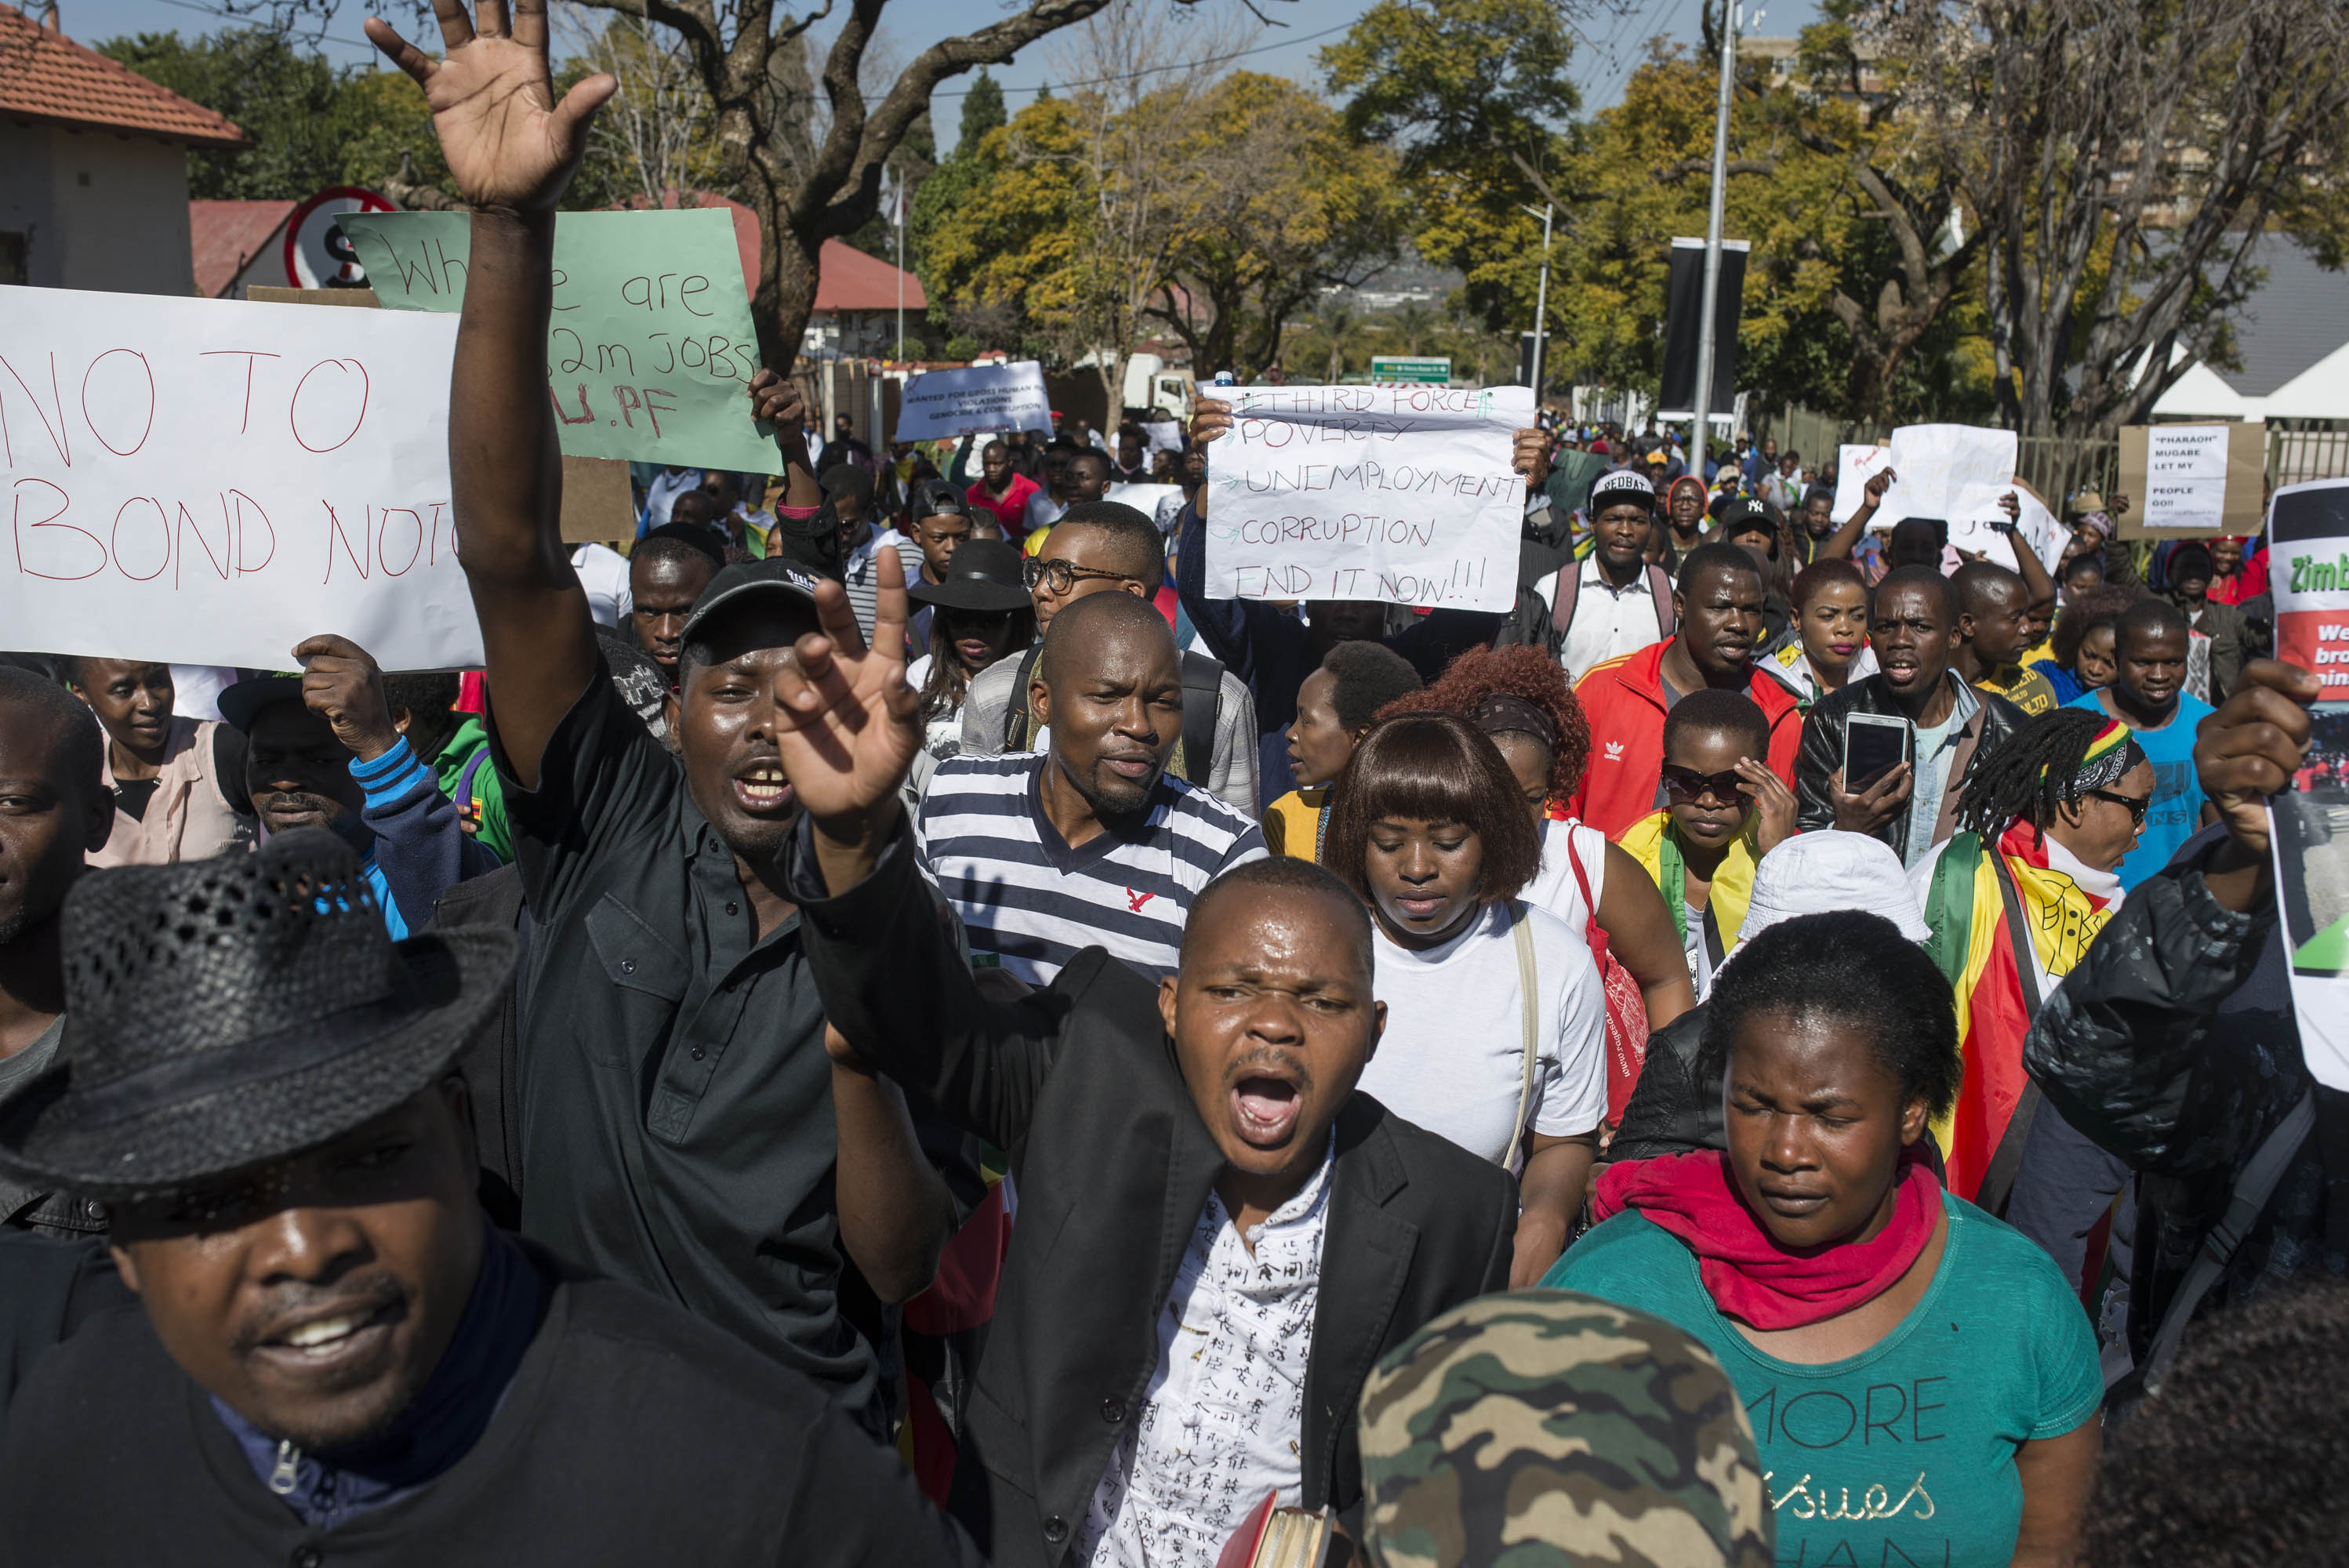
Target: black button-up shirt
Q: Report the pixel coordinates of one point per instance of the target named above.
(676, 1116)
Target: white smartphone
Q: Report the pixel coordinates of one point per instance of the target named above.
(1874, 744)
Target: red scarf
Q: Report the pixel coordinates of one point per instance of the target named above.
(1749, 1275)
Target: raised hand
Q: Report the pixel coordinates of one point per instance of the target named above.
(1529, 454)
(2253, 746)
(508, 144)
(342, 684)
(854, 724)
(1773, 804)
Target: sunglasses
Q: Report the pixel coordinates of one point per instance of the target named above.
(1691, 785)
(2138, 805)
(1062, 575)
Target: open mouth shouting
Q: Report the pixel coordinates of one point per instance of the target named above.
(761, 789)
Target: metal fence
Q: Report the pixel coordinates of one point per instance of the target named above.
(2060, 467)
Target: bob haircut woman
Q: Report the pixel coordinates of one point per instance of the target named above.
(1497, 1021)
(1432, 768)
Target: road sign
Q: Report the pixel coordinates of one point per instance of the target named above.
(1415, 372)
(317, 256)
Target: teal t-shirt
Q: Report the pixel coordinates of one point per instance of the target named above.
(1903, 1454)
(2176, 813)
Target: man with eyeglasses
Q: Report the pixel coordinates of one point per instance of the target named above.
(1100, 546)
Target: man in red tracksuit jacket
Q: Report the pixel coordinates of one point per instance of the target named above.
(1718, 605)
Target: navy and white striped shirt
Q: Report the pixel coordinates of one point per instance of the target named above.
(1032, 902)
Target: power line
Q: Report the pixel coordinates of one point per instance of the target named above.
(239, 17)
(1177, 66)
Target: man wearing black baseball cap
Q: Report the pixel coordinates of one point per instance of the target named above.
(682, 1128)
(337, 1359)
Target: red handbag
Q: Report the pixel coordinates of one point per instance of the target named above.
(1626, 1006)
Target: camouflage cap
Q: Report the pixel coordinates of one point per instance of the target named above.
(1546, 1429)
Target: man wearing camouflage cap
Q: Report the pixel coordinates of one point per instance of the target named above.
(1557, 1429)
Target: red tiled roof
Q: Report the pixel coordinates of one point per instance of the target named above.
(228, 234)
(47, 76)
(847, 279)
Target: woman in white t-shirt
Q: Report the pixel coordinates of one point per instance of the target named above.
(1496, 1026)
(1519, 698)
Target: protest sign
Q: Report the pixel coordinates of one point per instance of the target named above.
(650, 345)
(210, 482)
(980, 400)
(1397, 493)
(2192, 481)
(1946, 472)
(1854, 465)
(1981, 530)
(2308, 568)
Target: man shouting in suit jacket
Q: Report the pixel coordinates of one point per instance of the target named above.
(1218, 1234)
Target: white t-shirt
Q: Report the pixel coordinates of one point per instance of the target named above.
(604, 573)
(1609, 621)
(1452, 1057)
(1554, 887)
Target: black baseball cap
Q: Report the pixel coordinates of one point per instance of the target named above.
(789, 586)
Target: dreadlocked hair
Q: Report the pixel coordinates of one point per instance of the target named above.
(2035, 770)
(1520, 671)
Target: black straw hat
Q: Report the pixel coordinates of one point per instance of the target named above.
(985, 574)
(226, 1013)
(242, 703)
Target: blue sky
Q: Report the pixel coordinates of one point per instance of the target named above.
(1614, 45)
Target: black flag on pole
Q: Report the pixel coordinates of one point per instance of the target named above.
(1683, 308)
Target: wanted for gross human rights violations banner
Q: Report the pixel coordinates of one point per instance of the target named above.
(2308, 568)
(1404, 494)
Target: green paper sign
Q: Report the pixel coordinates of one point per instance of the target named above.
(650, 345)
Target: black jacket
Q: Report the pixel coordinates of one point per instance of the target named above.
(632, 1433)
(1822, 754)
(1079, 1083)
(2173, 1044)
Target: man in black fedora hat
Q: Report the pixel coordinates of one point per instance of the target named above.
(679, 1126)
(337, 1359)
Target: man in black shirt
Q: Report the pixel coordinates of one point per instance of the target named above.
(337, 1359)
(678, 1114)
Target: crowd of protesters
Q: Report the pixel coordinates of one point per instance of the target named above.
(885, 1024)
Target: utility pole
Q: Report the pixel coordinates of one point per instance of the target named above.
(1541, 301)
(1702, 426)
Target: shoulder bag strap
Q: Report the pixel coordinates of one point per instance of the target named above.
(1018, 728)
(1529, 1010)
(1998, 1181)
(2253, 1188)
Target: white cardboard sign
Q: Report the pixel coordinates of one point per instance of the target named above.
(978, 401)
(2036, 526)
(1403, 494)
(1944, 471)
(2186, 477)
(211, 482)
(1854, 465)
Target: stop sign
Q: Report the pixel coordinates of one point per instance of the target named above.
(317, 256)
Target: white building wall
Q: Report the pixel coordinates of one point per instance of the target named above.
(97, 210)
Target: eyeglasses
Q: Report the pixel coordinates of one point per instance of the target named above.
(1691, 785)
(2139, 805)
(1060, 575)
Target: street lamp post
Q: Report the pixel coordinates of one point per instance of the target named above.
(1541, 301)
(1707, 308)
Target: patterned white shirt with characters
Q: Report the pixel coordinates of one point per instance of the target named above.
(1223, 1421)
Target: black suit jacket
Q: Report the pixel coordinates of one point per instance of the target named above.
(1079, 1083)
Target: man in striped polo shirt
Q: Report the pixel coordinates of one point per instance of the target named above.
(1092, 842)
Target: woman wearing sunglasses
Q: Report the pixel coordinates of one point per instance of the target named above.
(980, 612)
(1723, 810)
(2013, 899)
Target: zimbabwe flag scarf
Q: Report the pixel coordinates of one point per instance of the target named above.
(1971, 904)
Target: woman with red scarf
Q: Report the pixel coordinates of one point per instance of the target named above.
(1922, 1384)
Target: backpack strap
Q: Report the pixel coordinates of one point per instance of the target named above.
(1659, 589)
(1019, 724)
(1522, 931)
(468, 812)
(1568, 590)
(2253, 1187)
(1203, 702)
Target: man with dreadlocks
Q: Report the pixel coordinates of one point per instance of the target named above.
(2013, 898)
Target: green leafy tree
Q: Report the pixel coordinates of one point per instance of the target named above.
(982, 111)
